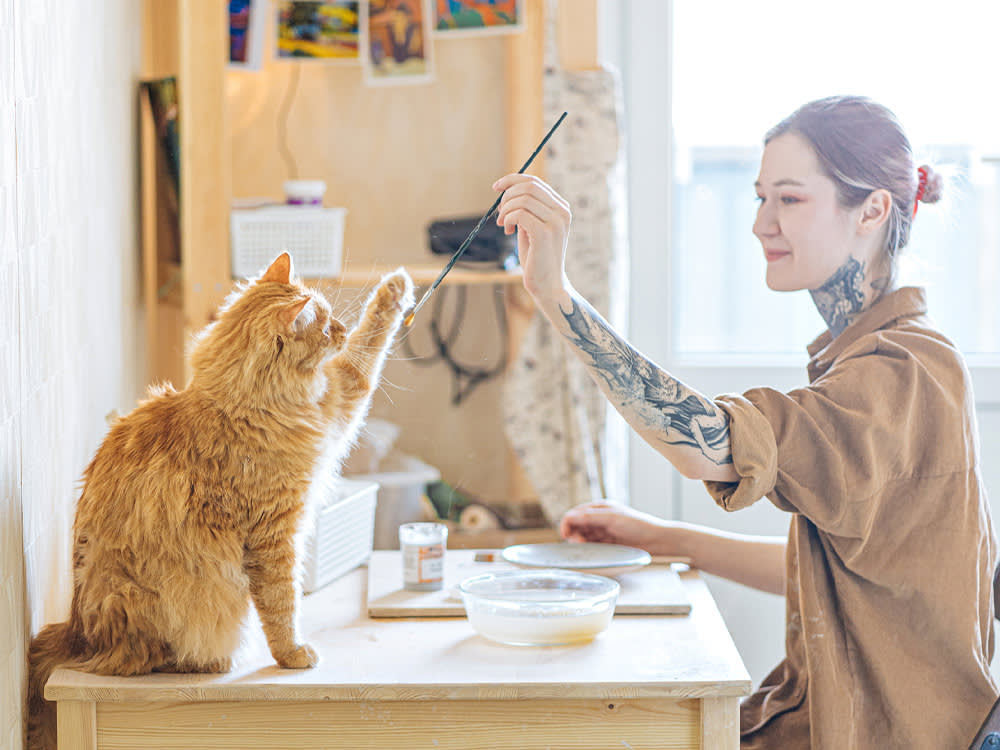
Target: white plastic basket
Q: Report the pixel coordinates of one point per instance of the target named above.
(341, 538)
(314, 237)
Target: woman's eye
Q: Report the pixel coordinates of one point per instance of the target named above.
(789, 199)
(759, 198)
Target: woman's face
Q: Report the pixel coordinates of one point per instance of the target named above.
(805, 233)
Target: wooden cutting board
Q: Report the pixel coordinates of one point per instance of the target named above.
(653, 590)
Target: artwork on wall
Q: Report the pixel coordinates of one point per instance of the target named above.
(460, 17)
(398, 41)
(327, 30)
(246, 33)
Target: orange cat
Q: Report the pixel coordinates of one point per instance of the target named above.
(192, 505)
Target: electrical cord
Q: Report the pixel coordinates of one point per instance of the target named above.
(282, 122)
(465, 378)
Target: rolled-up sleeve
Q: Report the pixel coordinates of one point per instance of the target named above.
(755, 455)
(830, 449)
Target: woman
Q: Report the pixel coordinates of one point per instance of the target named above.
(889, 560)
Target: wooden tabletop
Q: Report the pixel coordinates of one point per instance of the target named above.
(364, 659)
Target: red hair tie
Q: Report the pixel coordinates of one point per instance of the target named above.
(921, 187)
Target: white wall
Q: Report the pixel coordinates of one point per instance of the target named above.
(69, 291)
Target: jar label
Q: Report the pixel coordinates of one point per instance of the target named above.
(423, 563)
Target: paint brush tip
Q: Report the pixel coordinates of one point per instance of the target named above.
(408, 320)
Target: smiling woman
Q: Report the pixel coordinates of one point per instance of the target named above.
(835, 210)
(875, 461)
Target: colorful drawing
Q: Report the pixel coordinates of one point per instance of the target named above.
(246, 19)
(476, 15)
(398, 39)
(327, 29)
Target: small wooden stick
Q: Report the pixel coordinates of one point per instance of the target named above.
(408, 321)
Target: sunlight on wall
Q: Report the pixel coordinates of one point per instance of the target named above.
(69, 292)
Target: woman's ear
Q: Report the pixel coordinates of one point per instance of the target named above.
(875, 211)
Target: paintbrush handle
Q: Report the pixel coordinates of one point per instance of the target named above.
(472, 235)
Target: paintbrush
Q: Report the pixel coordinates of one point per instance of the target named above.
(468, 240)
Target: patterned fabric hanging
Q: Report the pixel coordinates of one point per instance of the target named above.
(570, 442)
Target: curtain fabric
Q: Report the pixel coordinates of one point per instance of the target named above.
(570, 442)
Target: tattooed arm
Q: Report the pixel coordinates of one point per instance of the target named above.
(680, 423)
(683, 425)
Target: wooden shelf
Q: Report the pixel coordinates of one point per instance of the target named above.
(423, 274)
(346, 133)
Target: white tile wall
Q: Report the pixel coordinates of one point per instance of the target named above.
(69, 291)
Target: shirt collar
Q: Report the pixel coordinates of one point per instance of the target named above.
(908, 301)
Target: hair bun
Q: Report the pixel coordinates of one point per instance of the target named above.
(935, 186)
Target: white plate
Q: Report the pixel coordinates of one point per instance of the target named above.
(586, 557)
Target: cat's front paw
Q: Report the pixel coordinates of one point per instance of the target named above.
(302, 656)
(395, 292)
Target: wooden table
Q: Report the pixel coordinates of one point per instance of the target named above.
(649, 681)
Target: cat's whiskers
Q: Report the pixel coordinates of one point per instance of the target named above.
(384, 382)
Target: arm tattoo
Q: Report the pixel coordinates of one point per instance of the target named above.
(659, 402)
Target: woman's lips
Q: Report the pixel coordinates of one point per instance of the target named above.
(773, 255)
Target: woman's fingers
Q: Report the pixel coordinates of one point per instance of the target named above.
(514, 185)
(589, 523)
(542, 219)
(522, 210)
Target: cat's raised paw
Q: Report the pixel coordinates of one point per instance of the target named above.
(395, 290)
(302, 657)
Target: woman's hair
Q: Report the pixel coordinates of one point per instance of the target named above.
(862, 147)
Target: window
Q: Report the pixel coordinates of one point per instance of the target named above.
(702, 82)
(739, 68)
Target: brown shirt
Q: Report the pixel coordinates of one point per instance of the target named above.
(891, 550)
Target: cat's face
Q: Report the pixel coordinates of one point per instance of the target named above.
(274, 329)
(307, 333)
(296, 321)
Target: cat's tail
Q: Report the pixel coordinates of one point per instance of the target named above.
(55, 646)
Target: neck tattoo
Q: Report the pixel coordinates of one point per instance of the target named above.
(842, 296)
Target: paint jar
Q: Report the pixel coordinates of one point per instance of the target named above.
(304, 192)
(422, 546)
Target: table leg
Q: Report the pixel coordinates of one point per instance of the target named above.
(77, 725)
(720, 724)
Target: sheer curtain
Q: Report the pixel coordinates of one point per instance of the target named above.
(568, 440)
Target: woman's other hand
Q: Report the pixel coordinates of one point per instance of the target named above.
(542, 218)
(617, 524)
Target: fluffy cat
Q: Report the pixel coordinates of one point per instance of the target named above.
(191, 506)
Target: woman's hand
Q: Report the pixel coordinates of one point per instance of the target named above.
(542, 218)
(618, 524)
(755, 561)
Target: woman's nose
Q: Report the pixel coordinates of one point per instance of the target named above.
(766, 223)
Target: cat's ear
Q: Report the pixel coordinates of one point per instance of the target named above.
(280, 270)
(288, 314)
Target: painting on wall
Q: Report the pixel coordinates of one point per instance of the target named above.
(246, 33)
(398, 41)
(326, 30)
(460, 17)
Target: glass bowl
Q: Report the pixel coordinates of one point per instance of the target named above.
(539, 607)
